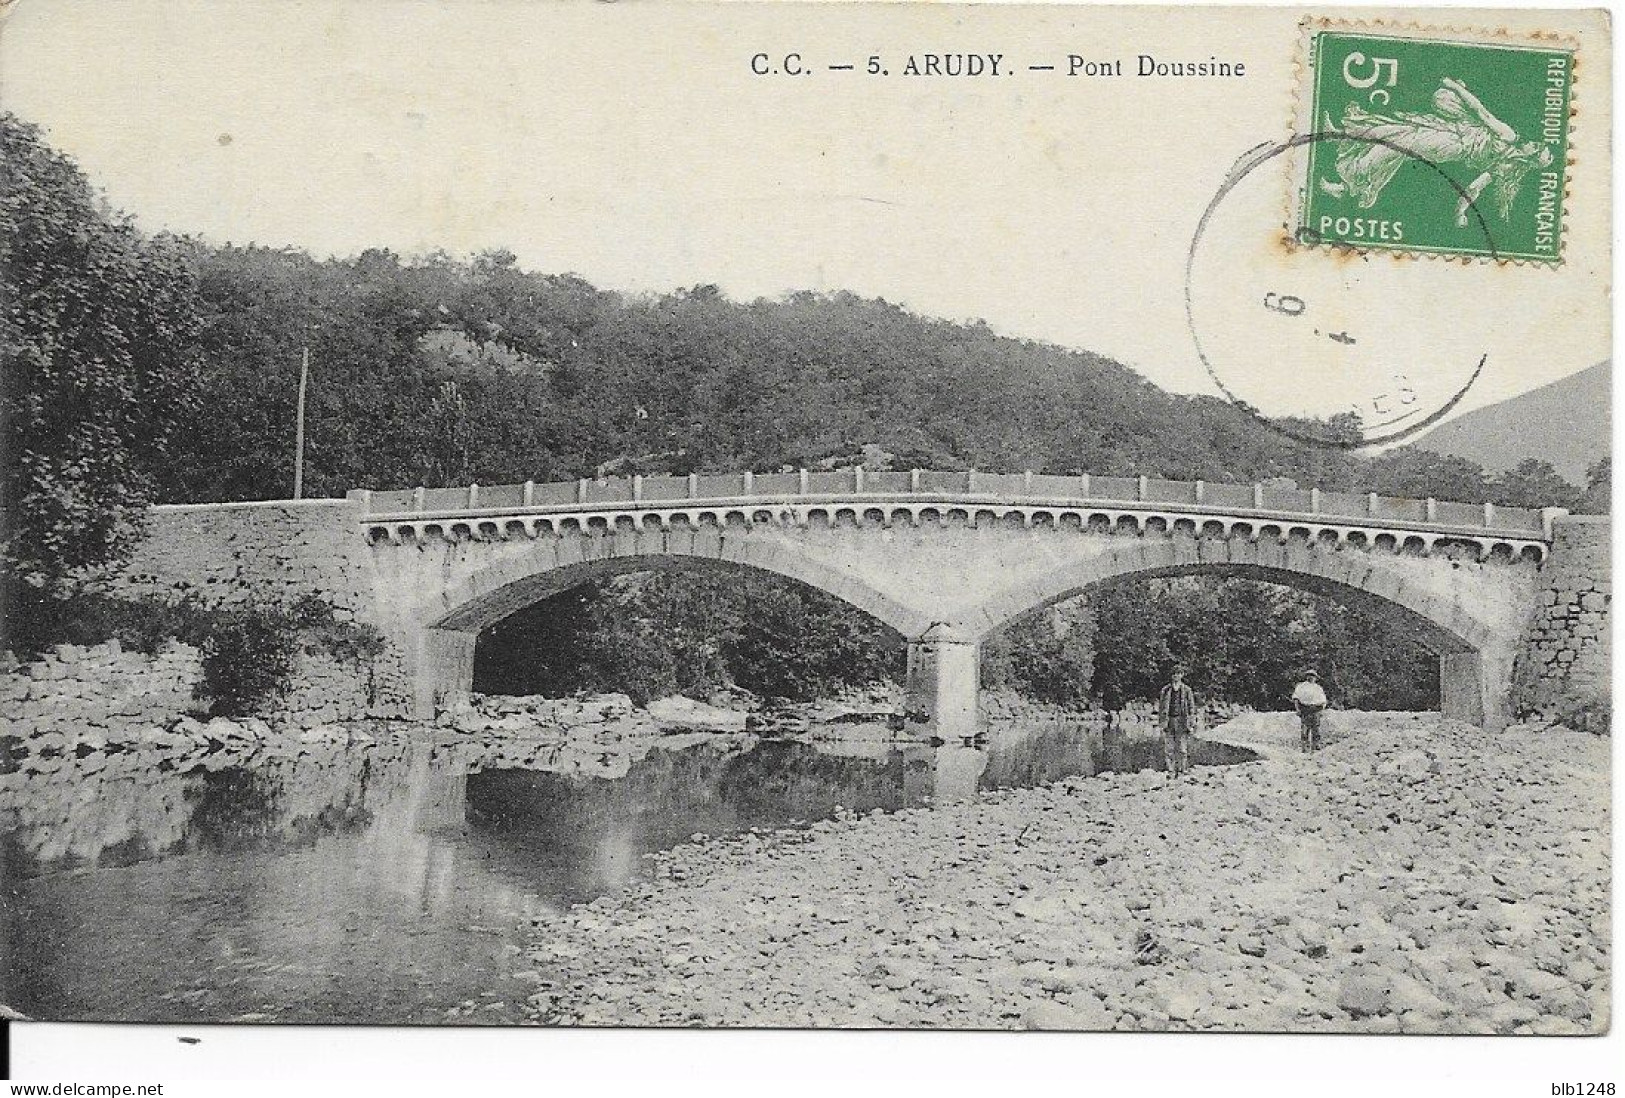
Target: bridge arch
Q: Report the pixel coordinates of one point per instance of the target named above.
(488, 595)
(1304, 566)
(1475, 656)
(449, 619)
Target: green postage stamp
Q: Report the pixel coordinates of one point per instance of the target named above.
(1438, 145)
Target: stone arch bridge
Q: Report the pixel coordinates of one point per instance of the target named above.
(945, 558)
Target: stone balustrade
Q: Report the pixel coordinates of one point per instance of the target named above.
(1119, 504)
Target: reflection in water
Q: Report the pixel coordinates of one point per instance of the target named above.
(388, 880)
(591, 833)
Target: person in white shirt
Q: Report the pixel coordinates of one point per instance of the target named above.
(1309, 700)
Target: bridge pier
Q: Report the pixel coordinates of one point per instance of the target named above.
(944, 685)
(443, 674)
(1476, 687)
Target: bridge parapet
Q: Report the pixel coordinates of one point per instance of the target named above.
(1144, 504)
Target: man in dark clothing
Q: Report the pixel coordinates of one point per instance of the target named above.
(1111, 701)
(1112, 742)
(1176, 709)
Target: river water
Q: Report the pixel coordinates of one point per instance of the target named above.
(396, 875)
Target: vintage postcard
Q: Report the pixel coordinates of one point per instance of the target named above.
(916, 516)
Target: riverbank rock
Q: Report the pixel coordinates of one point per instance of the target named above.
(681, 712)
(1363, 993)
(1416, 875)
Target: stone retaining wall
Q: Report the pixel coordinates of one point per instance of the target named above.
(271, 554)
(74, 689)
(324, 691)
(230, 554)
(1002, 706)
(75, 695)
(1008, 707)
(1563, 667)
(999, 706)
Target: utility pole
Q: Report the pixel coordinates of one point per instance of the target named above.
(299, 428)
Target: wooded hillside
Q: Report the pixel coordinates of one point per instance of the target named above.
(143, 369)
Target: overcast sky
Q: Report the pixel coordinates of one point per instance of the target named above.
(632, 144)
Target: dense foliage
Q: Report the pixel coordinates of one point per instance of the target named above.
(1598, 497)
(1048, 655)
(440, 372)
(1249, 642)
(660, 633)
(98, 347)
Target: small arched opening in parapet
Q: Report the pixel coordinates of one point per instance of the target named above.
(653, 625)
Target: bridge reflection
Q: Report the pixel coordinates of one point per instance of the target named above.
(333, 881)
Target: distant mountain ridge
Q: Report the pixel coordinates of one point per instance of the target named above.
(1567, 423)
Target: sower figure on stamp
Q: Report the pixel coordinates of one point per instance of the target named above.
(1310, 701)
(1459, 130)
(1176, 709)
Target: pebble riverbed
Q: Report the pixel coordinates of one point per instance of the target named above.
(1415, 875)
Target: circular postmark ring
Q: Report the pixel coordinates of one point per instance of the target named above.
(1245, 165)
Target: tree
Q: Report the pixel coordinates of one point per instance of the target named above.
(1417, 474)
(1533, 482)
(1048, 655)
(98, 339)
(1599, 493)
